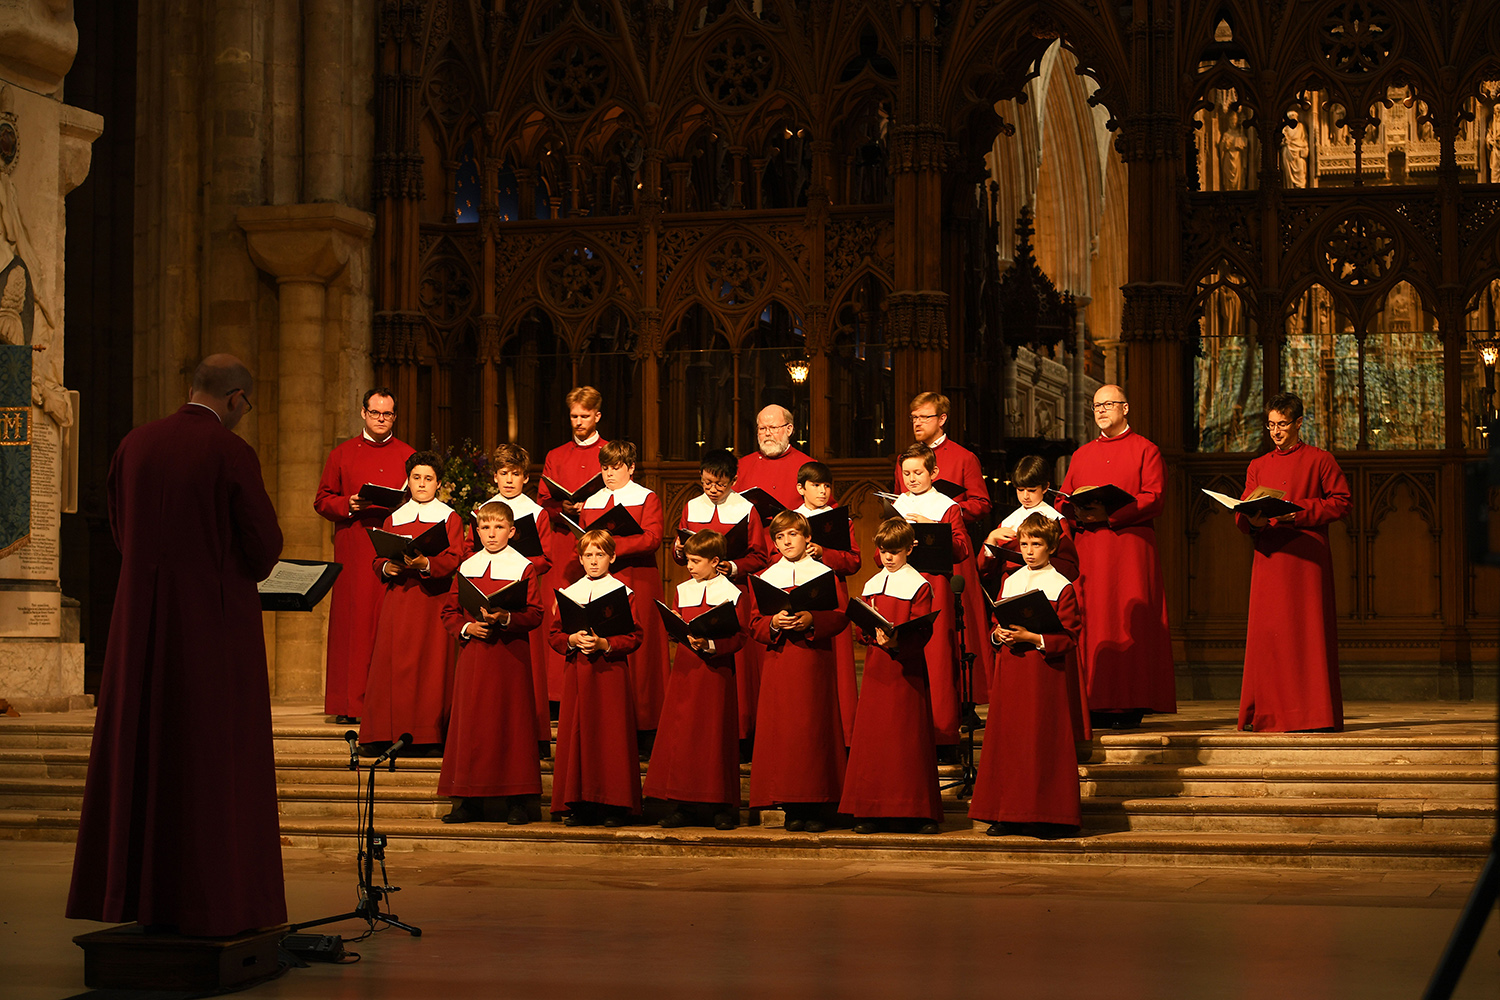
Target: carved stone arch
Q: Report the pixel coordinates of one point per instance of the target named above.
(579, 275)
(448, 290)
(1070, 189)
(851, 52)
(992, 59)
(451, 97)
(671, 321)
(517, 311)
(856, 248)
(1209, 273)
(699, 18)
(750, 265)
(743, 323)
(541, 21)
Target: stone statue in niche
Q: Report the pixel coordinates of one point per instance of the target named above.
(1401, 307)
(16, 248)
(1338, 135)
(1233, 143)
(1294, 152)
(1492, 144)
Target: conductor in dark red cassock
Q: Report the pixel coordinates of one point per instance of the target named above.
(1292, 647)
(570, 466)
(1127, 650)
(179, 826)
(375, 456)
(774, 465)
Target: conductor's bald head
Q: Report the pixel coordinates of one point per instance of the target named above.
(1110, 409)
(222, 383)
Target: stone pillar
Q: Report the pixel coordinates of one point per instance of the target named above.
(44, 154)
(305, 247)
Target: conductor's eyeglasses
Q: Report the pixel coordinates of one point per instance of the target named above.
(1101, 407)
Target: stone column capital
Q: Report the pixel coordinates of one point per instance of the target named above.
(304, 243)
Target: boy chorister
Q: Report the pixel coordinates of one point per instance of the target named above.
(815, 484)
(1028, 772)
(721, 509)
(892, 777)
(696, 761)
(510, 461)
(799, 735)
(922, 503)
(492, 736)
(596, 775)
(635, 563)
(411, 672)
(1031, 480)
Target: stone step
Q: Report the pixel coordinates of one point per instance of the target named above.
(1306, 781)
(1286, 815)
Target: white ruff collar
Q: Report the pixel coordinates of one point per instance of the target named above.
(1024, 580)
(701, 510)
(902, 584)
(786, 574)
(586, 590)
(932, 504)
(692, 594)
(507, 565)
(632, 494)
(1015, 517)
(520, 505)
(430, 512)
(587, 442)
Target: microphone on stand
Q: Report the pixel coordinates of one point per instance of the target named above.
(403, 741)
(352, 738)
(956, 581)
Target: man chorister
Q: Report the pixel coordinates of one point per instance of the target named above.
(179, 826)
(1291, 649)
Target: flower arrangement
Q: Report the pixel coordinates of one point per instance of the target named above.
(468, 479)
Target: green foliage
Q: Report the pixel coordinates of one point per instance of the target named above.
(468, 479)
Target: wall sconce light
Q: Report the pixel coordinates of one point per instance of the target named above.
(798, 368)
(1489, 354)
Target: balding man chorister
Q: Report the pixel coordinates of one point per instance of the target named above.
(1127, 651)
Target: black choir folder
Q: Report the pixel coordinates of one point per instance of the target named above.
(933, 553)
(765, 504)
(511, 597)
(395, 547)
(830, 528)
(1109, 496)
(297, 584)
(820, 594)
(618, 521)
(579, 495)
(1263, 502)
(381, 496)
(526, 540)
(604, 616)
(736, 539)
(950, 490)
(719, 622)
(1030, 610)
(1006, 553)
(913, 633)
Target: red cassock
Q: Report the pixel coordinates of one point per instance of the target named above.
(845, 563)
(179, 822)
(570, 466)
(354, 605)
(697, 753)
(700, 513)
(597, 759)
(492, 735)
(799, 737)
(635, 566)
(777, 476)
(521, 507)
(1028, 770)
(1127, 650)
(960, 466)
(942, 652)
(411, 673)
(892, 762)
(1291, 647)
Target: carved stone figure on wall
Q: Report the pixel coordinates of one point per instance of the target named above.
(1492, 142)
(1294, 152)
(1337, 135)
(1233, 143)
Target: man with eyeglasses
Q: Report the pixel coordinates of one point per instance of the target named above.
(1291, 680)
(375, 456)
(179, 828)
(774, 465)
(1127, 650)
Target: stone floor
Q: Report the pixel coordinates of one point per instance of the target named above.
(609, 926)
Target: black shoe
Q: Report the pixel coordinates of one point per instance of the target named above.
(995, 830)
(374, 749)
(614, 820)
(675, 819)
(927, 829)
(866, 826)
(1049, 831)
(726, 820)
(463, 812)
(518, 816)
(344, 720)
(795, 825)
(423, 750)
(573, 819)
(814, 826)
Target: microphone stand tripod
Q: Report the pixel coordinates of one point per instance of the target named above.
(371, 848)
(968, 720)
